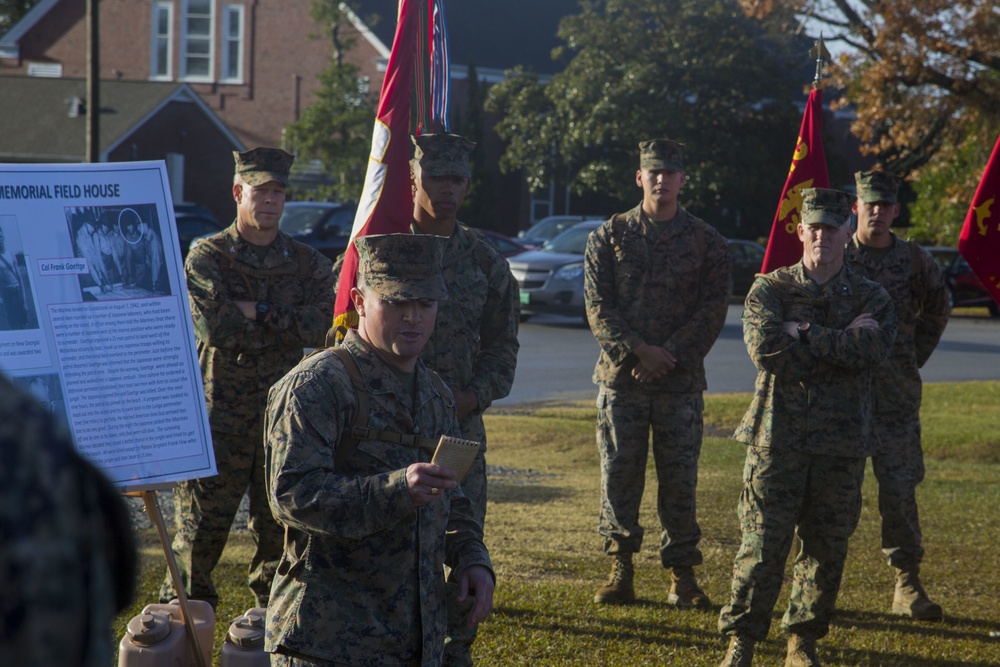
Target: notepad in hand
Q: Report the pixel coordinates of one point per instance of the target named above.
(456, 454)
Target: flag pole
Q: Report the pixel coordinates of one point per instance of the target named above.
(822, 55)
(386, 203)
(808, 170)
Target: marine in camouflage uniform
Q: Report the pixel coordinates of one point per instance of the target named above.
(474, 345)
(68, 561)
(360, 581)
(656, 288)
(257, 298)
(815, 331)
(920, 296)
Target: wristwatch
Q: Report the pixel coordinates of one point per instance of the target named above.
(263, 308)
(803, 330)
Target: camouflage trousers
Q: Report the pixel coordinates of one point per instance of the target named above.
(624, 420)
(787, 494)
(459, 639)
(898, 463)
(204, 512)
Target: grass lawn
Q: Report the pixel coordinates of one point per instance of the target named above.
(541, 530)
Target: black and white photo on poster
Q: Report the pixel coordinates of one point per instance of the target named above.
(123, 247)
(17, 304)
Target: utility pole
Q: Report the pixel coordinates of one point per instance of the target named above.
(93, 83)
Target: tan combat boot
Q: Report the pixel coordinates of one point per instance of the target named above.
(684, 590)
(910, 598)
(740, 653)
(801, 652)
(619, 588)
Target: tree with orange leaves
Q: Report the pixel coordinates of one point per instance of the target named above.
(924, 79)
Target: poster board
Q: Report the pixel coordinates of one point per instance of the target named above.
(94, 316)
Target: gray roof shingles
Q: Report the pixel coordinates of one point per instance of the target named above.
(37, 126)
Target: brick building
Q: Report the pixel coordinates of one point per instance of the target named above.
(254, 63)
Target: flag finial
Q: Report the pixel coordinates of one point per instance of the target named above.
(821, 55)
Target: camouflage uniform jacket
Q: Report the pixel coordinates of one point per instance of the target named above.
(920, 297)
(667, 287)
(814, 397)
(474, 344)
(361, 580)
(240, 359)
(67, 554)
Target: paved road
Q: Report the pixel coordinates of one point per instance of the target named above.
(557, 358)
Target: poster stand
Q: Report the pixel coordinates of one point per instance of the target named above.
(152, 504)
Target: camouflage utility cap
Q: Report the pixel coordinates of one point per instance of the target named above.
(403, 267)
(659, 154)
(823, 206)
(262, 165)
(443, 154)
(876, 186)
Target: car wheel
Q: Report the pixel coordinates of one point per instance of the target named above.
(994, 309)
(951, 298)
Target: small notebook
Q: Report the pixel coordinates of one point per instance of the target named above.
(456, 454)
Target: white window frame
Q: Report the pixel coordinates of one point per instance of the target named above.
(229, 38)
(157, 38)
(186, 40)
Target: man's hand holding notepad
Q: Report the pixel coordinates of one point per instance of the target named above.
(456, 454)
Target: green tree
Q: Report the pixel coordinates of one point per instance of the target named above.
(924, 78)
(480, 205)
(11, 11)
(945, 189)
(336, 129)
(692, 70)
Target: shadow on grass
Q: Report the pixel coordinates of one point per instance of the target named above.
(662, 625)
(952, 627)
(603, 622)
(833, 656)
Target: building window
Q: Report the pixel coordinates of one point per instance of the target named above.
(232, 43)
(162, 51)
(196, 42)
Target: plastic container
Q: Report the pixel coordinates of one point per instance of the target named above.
(244, 646)
(157, 637)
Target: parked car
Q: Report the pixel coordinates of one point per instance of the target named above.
(506, 246)
(747, 258)
(194, 222)
(550, 279)
(964, 286)
(325, 226)
(548, 228)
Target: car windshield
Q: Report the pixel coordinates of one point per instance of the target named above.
(547, 228)
(572, 241)
(300, 219)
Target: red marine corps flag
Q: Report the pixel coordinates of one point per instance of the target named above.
(808, 170)
(386, 204)
(979, 241)
(418, 68)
